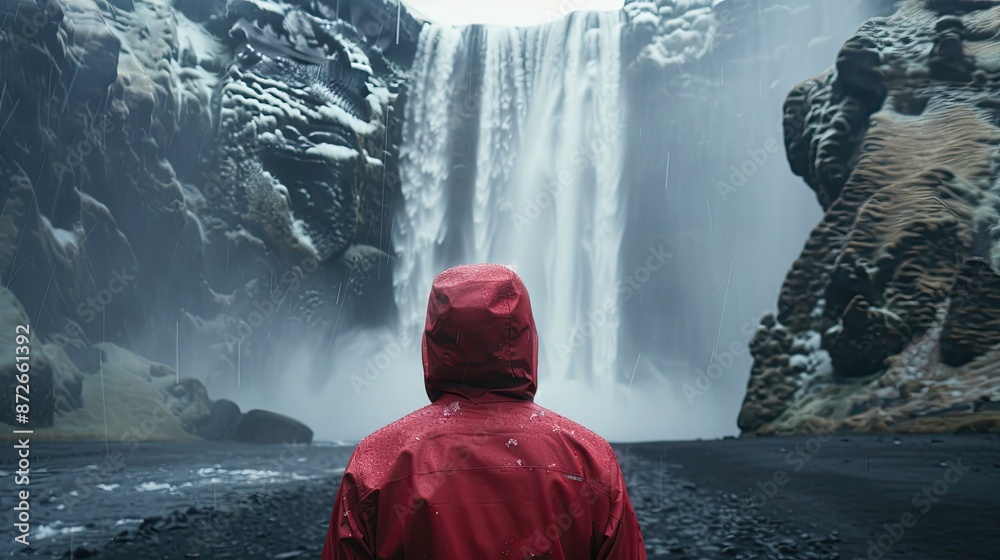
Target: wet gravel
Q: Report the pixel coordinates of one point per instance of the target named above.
(695, 500)
(680, 519)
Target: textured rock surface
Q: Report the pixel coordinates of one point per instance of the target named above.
(178, 175)
(889, 319)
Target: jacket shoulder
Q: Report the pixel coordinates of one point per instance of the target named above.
(596, 448)
(375, 457)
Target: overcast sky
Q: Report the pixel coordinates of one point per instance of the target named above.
(503, 12)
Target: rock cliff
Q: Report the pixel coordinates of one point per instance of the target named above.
(890, 319)
(194, 181)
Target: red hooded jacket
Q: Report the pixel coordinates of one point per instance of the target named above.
(483, 472)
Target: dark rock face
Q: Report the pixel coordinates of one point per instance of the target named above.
(893, 303)
(262, 426)
(299, 124)
(171, 171)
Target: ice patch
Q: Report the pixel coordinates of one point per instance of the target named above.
(302, 235)
(511, 442)
(335, 443)
(817, 311)
(153, 486)
(824, 365)
(66, 239)
(685, 31)
(452, 408)
(273, 7)
(56, 529)
(646, 18)
(192, 38)
(333, 152)
(108, 487)
(807, 342)
(243, 475)
(363, 66)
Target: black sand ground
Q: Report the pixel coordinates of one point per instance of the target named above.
(834, 497)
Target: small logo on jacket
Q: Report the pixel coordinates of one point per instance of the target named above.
(574, 477)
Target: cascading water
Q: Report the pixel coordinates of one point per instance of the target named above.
(525, 146)
(512, 153)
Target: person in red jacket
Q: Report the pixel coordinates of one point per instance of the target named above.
(482, 472)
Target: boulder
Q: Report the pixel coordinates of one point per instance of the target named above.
(222, 423)
(263, 426)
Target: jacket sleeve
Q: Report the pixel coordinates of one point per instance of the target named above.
(349, 536)
(622, 538)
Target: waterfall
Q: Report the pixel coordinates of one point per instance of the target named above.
(512, 153)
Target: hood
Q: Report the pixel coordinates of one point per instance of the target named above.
(479, 338)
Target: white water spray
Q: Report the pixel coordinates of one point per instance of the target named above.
(545, 106)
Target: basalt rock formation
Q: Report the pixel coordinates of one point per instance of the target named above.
(193, 181)
(890, 319)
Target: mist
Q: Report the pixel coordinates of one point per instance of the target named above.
(701, 177)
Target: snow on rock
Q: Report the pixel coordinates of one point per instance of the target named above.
(302, 98)
(671, 32)
(149, 150)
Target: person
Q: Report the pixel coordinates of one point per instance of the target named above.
(482, 472)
